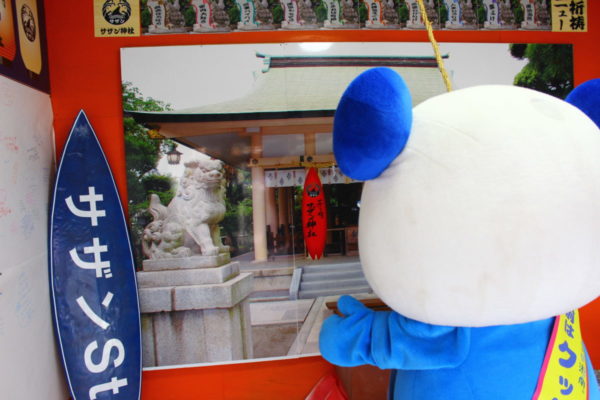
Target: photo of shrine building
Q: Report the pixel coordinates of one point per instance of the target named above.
(282, 127)
(276, 131)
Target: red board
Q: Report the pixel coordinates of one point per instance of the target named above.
(8, 46)
(85, 73)
(314, 215)
(328, 388)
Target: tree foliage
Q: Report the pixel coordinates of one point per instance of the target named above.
(237, 223)
(142, 154)
(549, 70)
(145, 15)
(403, 12)
(233, 11)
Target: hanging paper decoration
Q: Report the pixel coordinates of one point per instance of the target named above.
(314, 215)
(271, 179)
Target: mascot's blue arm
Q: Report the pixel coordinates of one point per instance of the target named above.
(497, 362)
(389, 340)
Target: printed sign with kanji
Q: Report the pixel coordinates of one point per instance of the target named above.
(569, 16)
(114, 18)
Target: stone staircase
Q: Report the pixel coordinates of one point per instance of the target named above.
(314, 281)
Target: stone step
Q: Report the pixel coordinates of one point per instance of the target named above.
(311, 294)
(271, 295)
(332, 275)
(316, 268)
(269, 299)
(333, 284)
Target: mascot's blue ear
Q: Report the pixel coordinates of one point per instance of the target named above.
(586, 97)
(372, 123)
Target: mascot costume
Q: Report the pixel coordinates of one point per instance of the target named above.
(480, 228)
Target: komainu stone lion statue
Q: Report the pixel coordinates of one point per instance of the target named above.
(189, 225)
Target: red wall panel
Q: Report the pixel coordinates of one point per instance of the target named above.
(85, 74)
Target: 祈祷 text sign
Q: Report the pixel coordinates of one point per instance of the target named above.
(569, 15)
(114, 18)
(94, 291)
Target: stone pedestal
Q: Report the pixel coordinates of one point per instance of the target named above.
(194, 310)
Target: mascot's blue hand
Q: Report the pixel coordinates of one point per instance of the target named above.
(348, 306)
(346, 340)
(389, 340)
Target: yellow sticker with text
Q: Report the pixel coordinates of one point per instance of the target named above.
(115, 18)
(569, 16)
(564, 373)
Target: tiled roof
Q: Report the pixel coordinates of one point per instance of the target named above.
(293, 87)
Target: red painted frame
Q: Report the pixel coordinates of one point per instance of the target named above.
(85, 74)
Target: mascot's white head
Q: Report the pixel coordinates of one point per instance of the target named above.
(480, 207)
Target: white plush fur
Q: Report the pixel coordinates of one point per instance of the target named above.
(491, 214)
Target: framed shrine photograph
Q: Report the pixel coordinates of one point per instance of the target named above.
(219, 140)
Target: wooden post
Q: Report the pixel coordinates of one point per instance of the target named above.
(310, 145)
(259, 217)
(272, 220)
(272, 215)
(284, 219)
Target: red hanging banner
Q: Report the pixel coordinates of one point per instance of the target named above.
(314, 215)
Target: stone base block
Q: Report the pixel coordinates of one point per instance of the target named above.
(204, 29)
(382, 26)
(186, 277)
(194, 297)
(492, 25)
(186, 263)
(460, 26)
(197, 336)
(534, 27)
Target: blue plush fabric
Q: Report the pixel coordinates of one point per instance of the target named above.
(438, 362)
(586, 97)
(372, 123)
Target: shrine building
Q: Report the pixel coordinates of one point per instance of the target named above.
(284, 125)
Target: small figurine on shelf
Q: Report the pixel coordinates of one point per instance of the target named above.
(174, 18)
(531, 15)
(507, 16)
(349, 14)
(308, 18)
(210, 16)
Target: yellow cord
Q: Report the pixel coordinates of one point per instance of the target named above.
(436, 48)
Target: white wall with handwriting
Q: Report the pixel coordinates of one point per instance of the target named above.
(30, 366)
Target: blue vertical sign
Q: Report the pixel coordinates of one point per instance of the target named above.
(92, 275)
